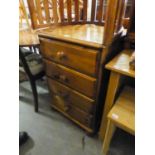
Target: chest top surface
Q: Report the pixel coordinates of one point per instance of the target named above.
(87, 34)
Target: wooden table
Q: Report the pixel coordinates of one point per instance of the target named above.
(118, 66)
(28, 38)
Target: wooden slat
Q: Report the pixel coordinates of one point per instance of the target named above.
(61, 10)
(69, 12)
(120, 14)
(24, 13)
(93, 10)
(46, 8)
(110, 21)
(132, 16)
(55, 15)
(76, 10)
(85, 5)
(39, 11)
(32, 10)
(38, 26)
(100, 11)
(104, 9)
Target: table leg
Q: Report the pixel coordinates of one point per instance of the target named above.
(108, 136)
(112, 89)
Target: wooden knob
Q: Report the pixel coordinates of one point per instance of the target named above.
(63, 94)
(61, 55)
(66, 108)
(56, 76)
(63, 78)
(88, 119)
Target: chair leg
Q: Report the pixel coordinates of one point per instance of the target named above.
(35, 95)
(108, 136)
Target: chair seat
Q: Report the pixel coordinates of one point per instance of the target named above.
(123, 112)
(34, 62)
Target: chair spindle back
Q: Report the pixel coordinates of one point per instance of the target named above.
(109, 13)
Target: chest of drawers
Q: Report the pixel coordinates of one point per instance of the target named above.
(72, 72)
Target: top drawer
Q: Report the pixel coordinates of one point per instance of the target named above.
(77, 57)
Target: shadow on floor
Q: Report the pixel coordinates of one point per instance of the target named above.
(25, 148)
(122, 143)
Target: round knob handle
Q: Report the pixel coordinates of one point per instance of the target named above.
(88, 119)
(63, 78)
(63, 94)
(61, 55)
(56, 76)
(66, 108)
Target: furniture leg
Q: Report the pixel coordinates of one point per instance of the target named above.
(35, 95)
(35, 49)
(31, 49)
(108, 136)
(112, 89)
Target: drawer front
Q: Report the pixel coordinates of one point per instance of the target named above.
(77, 57)
(71, 78)
(73, 112)
(64, 97)
(81, 116)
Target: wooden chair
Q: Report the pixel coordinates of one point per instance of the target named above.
(31, 62)
(122, 115)
(23, 16)
(65, 12)
(33, 66)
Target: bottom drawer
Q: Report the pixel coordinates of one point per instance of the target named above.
(79, 115)
(64, 95)
(61, 101)
(73, 112)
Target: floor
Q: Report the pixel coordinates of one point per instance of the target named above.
(52, 134)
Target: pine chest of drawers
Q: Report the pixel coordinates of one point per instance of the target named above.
(73, 72)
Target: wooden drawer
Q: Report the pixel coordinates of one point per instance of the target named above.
(76, 115)
(81, 116)
(81, 58)
(64, 97)
(71, 78)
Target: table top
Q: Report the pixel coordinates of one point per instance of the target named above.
(87, 34)
(120, 63)
(28, 38)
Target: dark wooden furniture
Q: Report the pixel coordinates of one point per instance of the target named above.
(74, 52)
(28, 38)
